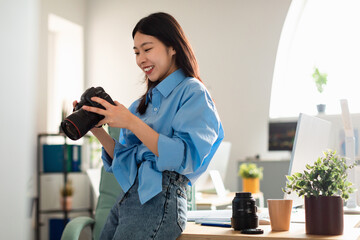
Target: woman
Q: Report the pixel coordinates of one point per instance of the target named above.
(167, 139)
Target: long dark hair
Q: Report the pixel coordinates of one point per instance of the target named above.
(164, 27)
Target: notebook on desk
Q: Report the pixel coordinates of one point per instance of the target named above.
(297, 216)
(217, 216)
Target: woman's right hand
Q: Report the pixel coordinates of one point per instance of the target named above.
(95, 129)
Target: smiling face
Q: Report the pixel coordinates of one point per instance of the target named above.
(153, 57)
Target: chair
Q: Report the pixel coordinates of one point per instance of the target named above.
(109, 190)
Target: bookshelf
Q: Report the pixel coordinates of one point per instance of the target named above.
(55, 160)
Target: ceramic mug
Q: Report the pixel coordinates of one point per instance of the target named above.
(280, 213)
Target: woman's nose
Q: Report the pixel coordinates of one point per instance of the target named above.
(141, 58)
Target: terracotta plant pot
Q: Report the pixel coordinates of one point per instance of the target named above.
(324, 215)
(66, 203)
(251, 185)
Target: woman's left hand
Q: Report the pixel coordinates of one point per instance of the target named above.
(115, 116)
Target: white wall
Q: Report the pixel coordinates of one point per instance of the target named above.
(18, 61)
(235, 42)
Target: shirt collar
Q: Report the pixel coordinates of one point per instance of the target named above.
(166, 86)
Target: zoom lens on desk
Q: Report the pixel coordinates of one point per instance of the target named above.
(244, 212)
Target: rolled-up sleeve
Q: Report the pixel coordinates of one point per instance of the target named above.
(196, 128)
(123, 166)
(171, 153)
(107, 160)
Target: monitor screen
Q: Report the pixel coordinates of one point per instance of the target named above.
(281, 136)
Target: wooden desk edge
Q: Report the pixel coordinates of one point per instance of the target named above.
(297, 231)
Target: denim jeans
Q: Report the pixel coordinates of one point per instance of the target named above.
(162, 217)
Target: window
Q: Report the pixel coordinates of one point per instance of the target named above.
(323, 34)
(65, 68)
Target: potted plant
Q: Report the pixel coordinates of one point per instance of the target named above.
(66, 194)
(251, 175)
(320, 80)
(324, 186)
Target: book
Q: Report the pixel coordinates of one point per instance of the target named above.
(53, 158)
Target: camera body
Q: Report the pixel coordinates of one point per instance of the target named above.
(244, 212)
(80, 121)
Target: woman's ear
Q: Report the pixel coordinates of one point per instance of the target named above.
(172, 51)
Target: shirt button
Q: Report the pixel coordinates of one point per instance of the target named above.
(155, 109)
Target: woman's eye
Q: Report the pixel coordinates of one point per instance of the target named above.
(146, 50)
(136, 53)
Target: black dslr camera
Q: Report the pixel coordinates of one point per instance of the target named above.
(80, 121)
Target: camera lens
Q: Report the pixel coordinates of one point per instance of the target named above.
(79, 123)
(70, 130)
(244, 212)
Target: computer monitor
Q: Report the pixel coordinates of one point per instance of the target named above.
(281, 135)
(311, 140)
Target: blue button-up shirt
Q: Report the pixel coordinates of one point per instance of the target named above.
(181, 110)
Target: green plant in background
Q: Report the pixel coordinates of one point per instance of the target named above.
(96, 150)
(250, 170)
(68, 190)
(327, 177)
(320, 79)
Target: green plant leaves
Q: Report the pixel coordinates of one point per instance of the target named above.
(290, 178)
(298, 175)
(250, 170)
(320, 80)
